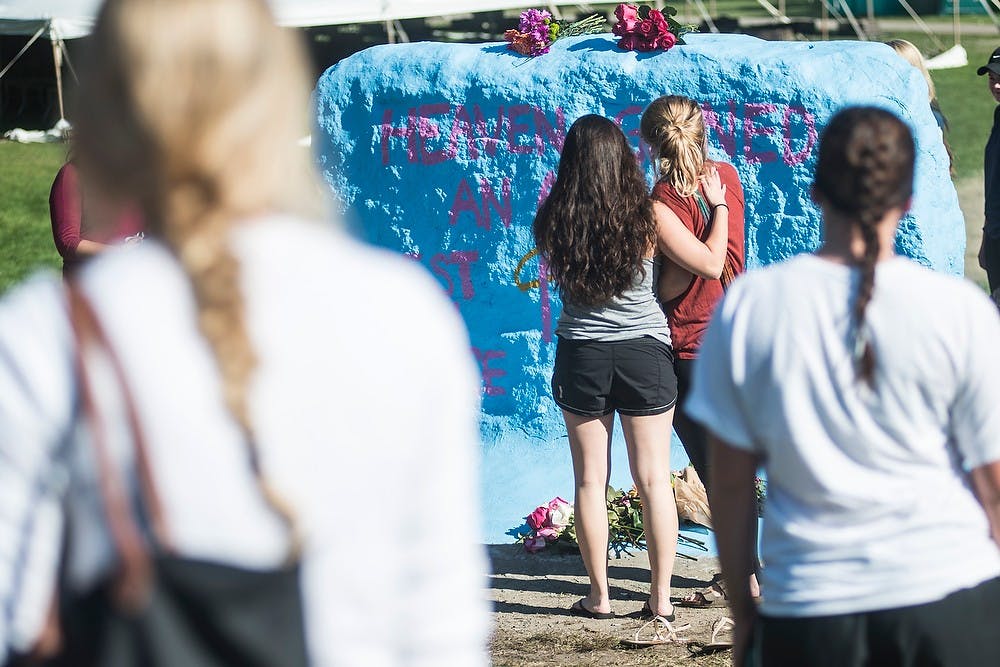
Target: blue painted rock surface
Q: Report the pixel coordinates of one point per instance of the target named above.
(443, 151)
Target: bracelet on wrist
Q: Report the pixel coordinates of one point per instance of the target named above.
(715, 206)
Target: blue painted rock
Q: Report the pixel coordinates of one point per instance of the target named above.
(443, 152)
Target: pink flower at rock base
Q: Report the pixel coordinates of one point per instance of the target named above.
(534, 544)
(548, 533)
(560, 513)
(538, 518)
(628, 18)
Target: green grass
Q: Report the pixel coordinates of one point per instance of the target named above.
(26, 173)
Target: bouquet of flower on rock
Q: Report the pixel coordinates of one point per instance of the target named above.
(538, 30)
(642, 28)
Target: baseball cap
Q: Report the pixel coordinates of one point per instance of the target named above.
(992, 65)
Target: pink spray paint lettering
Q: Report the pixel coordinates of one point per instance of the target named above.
(736, 132)
(439, 132)
(487, 148)
(483, 207)
(751, 130)
(463, 259)
(490, 374)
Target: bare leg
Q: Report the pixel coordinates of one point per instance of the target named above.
(590, 444)
(648, 441)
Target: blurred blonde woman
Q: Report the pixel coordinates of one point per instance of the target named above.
(674, 128)
(258, 366)
(912, 55)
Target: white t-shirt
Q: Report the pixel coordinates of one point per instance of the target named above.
(868, 507)
(365, 405)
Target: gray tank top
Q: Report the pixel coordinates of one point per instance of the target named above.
(633, 314)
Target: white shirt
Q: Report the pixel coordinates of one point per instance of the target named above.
(867, 503)
(365, 405)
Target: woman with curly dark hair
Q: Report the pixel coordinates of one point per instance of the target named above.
(602, 240)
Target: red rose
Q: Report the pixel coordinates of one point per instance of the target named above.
(646, 43)
(629, 42)
(646, 28)
(656, 16)
(666, 41)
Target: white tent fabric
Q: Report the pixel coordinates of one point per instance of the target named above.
(69, 19)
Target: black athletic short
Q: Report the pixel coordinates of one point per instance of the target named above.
(595, 378)
(958, 631)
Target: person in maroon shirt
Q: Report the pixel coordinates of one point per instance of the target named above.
(66, 211)
(674, 128)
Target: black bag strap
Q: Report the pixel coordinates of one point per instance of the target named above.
(728, 272)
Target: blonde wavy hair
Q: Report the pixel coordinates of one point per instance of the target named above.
(912, 55)
(192, 109)
(674, 128)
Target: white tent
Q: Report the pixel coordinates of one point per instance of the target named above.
(60, 20)
(73, 18)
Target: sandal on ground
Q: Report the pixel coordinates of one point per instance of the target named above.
(713, 596)
(657, 632)
(722, 637)
(646, 613)
(579, 610)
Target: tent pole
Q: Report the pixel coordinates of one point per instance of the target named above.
(67, 59)
(57, 61)
(957, 21)
(20, 53)
(853, 21)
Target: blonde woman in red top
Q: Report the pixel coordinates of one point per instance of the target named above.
(674, 128)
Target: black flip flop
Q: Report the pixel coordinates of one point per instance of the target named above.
(579, 610)
(647, 613)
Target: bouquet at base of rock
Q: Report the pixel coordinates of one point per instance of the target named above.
(642, 28)
(550, 523)
(538, 30)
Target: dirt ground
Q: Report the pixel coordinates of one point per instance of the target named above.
(532, 592)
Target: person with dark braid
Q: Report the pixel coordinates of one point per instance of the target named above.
(867, 386)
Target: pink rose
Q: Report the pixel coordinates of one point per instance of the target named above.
(534, 544)
(538, 518)
(628, 17)
(548, 533)
(646, 28)
(666, 41)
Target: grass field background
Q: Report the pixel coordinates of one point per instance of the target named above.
(26, 171)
